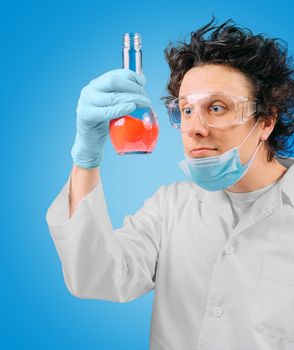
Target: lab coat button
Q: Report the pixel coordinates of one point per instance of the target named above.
(229, 249)
(217, 311)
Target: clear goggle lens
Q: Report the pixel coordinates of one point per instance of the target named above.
(214, 110)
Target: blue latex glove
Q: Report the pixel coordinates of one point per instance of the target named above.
(110, 96)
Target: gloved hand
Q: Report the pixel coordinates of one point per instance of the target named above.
(110, 96)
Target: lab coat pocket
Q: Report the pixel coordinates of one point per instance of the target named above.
(273, 304)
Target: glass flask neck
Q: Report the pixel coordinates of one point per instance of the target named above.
(132, 53)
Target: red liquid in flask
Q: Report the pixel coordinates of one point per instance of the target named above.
(131, 135)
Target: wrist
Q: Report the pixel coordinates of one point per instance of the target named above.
(85, 158)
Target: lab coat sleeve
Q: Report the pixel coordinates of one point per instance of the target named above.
(99, 262)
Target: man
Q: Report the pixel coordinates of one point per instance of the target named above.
(218, 249)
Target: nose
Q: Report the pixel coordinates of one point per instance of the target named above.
(195, 126)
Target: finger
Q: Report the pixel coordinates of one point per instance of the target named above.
(120, 110)
(103, 99)
(131, 75)
(92, 116)
(116, 83)
(127, 74)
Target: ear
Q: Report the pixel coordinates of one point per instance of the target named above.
(268, 124)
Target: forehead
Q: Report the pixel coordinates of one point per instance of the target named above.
(215, 78)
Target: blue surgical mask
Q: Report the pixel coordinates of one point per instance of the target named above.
(217, 172)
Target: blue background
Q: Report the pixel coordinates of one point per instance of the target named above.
(49, 51)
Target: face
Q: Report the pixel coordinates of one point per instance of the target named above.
(232, 82)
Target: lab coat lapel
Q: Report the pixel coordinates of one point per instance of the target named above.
(217, 201)
(260, 209)
(287, 184)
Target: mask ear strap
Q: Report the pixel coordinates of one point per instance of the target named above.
(257, 148)
(249, 133)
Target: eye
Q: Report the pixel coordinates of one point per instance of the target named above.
(217, 108)
(186, 111)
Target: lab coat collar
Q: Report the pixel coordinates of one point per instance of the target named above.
(287, 184)
(219, 200)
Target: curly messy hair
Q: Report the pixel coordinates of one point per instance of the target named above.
(264, 62)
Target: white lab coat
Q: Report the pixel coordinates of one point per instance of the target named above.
(216, 287)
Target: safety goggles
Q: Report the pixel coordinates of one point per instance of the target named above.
(218, 110)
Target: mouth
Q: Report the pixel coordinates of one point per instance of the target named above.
(202, 151)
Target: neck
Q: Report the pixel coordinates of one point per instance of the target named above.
(260, 174)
